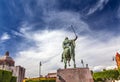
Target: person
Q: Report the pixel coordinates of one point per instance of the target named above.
(69, 45)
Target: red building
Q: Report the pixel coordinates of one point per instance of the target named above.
(117, 57)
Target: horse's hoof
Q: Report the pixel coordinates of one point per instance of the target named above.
(75, 66)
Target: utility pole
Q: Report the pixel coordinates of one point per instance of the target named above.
(40, 70)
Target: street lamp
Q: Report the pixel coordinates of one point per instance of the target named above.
(40, 70)
(82, 62)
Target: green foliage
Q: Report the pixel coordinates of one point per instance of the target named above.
(41, 81)
(13, 79)
(6, 76)
(52, 81)
(1, 72)
(106, 74)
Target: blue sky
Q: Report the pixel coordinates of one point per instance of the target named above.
(30, 28)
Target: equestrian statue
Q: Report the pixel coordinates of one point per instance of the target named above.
(69, 51)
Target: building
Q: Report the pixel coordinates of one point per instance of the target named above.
(51, 75)
(7, 63)
(117, 58)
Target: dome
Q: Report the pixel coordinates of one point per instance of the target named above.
(6, 60)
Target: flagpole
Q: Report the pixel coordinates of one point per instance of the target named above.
(73, 30)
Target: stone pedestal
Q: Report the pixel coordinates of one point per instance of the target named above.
(74, 75)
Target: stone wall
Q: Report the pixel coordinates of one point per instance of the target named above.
(74, 75)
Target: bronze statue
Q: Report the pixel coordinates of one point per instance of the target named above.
(68, 51)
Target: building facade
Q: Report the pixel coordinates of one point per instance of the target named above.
(51, 75)
(7, 63)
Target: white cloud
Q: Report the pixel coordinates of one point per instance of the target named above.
(52, 17)
(101, 67)
(98, 6)
(4, 37)
(98, 68)
(64, 19)
(41, 7)
(49, 49)
(111, 67)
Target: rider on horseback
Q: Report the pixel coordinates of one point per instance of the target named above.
(69, 50)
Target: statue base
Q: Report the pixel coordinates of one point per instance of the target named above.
(74, 75)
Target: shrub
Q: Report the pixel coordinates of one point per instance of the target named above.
(6, 76)
(107, 74)
(43, 80)
(13, 79)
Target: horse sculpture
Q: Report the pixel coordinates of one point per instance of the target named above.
(69, 52)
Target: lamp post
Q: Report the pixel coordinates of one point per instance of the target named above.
(40, 70)
(82, 62)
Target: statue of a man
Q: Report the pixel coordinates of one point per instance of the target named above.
(69, 50)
